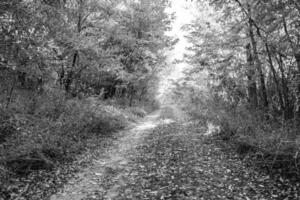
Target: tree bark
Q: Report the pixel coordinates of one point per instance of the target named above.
(297, 56)
(274, 73)
(296, 51)
(10, 94)
(258, 63)
(252, 88)
(69, 79)
(288, 113)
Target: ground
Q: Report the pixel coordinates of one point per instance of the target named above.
(172, 159)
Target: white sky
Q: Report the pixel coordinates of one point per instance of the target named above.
(184, 13)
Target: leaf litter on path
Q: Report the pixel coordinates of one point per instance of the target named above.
(172, 161)
(175, 162)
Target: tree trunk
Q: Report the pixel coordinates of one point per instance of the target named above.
(69, 79)
(258, 65)
(10, 94)
(296, 51)
(288, 112)
(275, 77)
(61, 75)
(297, 57)
(252, 88)
(70, 74)
(132, 93)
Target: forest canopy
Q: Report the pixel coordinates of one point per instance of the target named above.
(84, 47)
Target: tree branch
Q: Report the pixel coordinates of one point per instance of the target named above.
(258, 29)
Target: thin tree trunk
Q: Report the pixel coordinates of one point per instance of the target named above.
(297, 57)
(69, 78)
(252, 88)
(296, 51)
(131, 96)
(61, 75)
(10, 94)
(274, 73)
(258, 65)
(288, 113)
(131, 100)
(70, 75)
(298, 85)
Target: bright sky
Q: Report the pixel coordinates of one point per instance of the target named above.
(184, 15)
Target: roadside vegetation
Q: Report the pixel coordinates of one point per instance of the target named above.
(71, 71)
(247, 54)
(74, 73)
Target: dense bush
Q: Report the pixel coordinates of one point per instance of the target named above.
(56, 132)
(273, 141)
(69, 70)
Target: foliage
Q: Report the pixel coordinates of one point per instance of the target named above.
(245, 48)
(89, 47)
(62, 63)
(249, 52)
(42, 140)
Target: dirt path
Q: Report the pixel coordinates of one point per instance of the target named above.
(89, 183)
(164, 159)
(178, 162)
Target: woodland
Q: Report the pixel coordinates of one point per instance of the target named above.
(80, 77)
(250, 51)
(72, 70)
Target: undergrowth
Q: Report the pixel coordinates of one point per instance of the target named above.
(51, 130)
(269, 140)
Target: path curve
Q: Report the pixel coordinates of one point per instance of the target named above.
(111, 164)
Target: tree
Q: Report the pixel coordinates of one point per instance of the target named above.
(268, 31)
(84, 46)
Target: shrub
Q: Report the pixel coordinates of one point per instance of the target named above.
(259, 133)
(50, 135)
(55, 129)
(51, 104)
